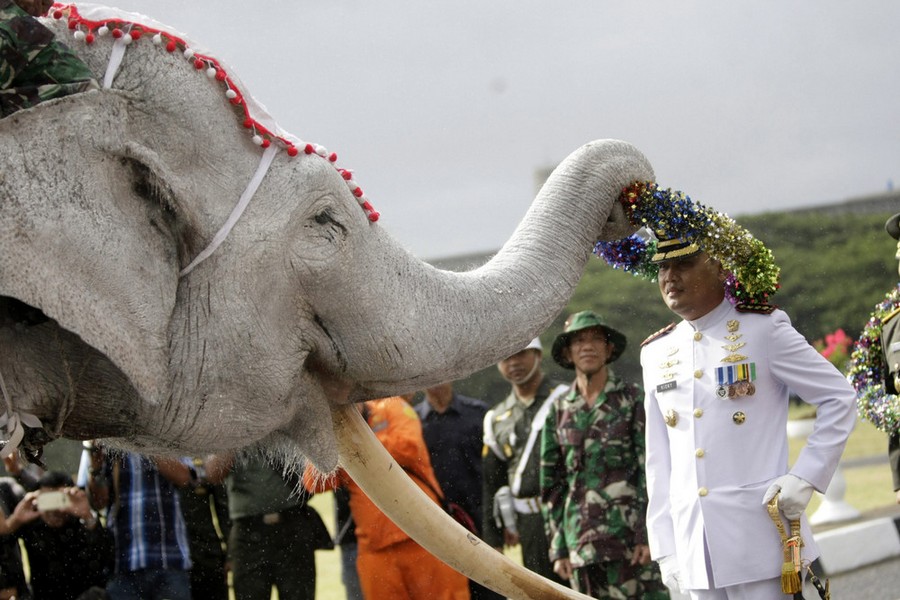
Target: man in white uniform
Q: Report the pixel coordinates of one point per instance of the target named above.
(717, 386)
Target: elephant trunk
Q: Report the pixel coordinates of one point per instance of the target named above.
(467, 321)
(388, 486)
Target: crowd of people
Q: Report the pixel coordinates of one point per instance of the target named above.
(157, 528)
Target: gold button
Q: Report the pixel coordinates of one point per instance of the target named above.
(738, 417)
(703, 491)
(699, 453)
(698, 374)
(698, 412)
(698, 336)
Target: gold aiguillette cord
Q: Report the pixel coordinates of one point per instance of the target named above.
(790, 568)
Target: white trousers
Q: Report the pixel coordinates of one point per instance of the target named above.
(768, 589)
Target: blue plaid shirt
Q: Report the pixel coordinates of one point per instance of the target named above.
(145, 516)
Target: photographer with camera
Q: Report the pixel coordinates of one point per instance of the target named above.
(13, 583)
(68, 551)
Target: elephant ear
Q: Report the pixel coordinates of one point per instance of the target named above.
(86, 234)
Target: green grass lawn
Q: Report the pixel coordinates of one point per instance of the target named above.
(328, 562)
(868, 487)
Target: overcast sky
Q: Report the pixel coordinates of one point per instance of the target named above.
(444, 110)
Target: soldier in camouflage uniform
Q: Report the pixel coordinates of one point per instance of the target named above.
(592, 470)
(33, 65)
(511, 462)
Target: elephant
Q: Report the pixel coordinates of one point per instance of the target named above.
(111, 328)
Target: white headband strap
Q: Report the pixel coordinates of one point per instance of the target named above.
(115, 60)
(264, 163)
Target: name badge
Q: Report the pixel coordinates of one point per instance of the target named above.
(665, 387)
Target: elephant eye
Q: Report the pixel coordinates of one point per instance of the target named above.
(147, 185)
(325, 218)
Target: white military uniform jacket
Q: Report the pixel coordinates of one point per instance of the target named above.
(717, 402)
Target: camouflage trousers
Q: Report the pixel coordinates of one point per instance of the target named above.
(34, 66)
(620, 580)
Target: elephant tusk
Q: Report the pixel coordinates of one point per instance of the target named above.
(364, 458)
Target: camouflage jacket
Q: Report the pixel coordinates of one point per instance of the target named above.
(34, 66)
(593, 485)
(507, 428)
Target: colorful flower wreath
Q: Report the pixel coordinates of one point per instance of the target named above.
(753, 275)
(867, 370)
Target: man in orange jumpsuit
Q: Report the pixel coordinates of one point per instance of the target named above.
(389, 562)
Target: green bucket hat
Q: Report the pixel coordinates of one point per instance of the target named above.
(584, 320)
(892, 226)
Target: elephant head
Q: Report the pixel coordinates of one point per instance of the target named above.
(306, 306)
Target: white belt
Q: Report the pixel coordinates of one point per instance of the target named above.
(527, 506)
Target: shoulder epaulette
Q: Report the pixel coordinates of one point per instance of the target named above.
(760, 308)
(890, 315)
(664, 331)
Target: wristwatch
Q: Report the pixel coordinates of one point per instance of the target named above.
(90, 522)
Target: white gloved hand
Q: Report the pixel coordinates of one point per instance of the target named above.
(795, 495)
(671, 575)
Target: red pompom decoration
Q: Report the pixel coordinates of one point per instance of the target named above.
(171, 46)
(89, 38)
(332, 157)
(117, 33)
(292, 151)
(72, 24)
(198, 64)
(57, 14)
(358, 192)
(266, 143)
(220, 75)
(346, 175)
(310, 149)
(248, 123)
(136, 34)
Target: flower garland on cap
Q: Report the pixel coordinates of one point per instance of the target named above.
(752, 272)
(867, 370)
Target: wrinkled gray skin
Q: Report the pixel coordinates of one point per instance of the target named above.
(106, 195)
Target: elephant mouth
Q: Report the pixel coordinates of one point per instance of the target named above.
(68, 405)
(14, 311)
